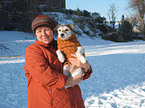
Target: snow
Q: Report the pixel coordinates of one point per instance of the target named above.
(117, 81)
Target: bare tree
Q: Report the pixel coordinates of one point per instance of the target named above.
(133, 19)
(111, 14)
(139, 6)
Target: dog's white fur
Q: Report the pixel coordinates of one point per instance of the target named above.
(64, 32)
(60, 56)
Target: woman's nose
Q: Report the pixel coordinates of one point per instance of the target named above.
(43, 33)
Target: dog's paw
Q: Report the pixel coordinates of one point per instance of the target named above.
(61, 59)
(66, 70)
(60, 56)
(81, 58)
(80, 52)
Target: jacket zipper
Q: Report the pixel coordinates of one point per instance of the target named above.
(50, 90)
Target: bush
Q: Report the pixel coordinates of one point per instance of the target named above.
(114, 36)
(86, 13)
(117, 36)
(124, 33)
(126, 30)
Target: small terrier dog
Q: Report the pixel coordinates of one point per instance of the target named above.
(68, 44)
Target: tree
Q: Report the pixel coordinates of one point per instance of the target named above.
(95, 15)
(139, 6)
(86, 13)
(126, 30)
(98, 18)
(133, 19)
(111, 14)
(122, 18)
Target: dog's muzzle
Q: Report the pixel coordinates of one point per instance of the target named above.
(62, 35)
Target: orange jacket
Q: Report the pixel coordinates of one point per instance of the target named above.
(45, 80)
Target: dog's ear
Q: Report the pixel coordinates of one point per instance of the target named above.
(56, 27)
(71, 26)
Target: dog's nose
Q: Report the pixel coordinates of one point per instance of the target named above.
(62, 35)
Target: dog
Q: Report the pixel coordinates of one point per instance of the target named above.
(68, 44)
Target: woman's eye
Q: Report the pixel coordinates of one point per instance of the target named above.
(66, 29)
(38, 32)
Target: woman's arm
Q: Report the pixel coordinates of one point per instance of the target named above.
(39, 68)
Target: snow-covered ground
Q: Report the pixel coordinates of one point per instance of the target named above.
(117, 81)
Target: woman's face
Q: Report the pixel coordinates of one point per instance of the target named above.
(44, 34)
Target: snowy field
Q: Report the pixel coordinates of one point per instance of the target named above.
(118, 79)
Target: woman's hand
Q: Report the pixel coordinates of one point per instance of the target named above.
(75, 61)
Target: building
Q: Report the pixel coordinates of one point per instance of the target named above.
(136, 30)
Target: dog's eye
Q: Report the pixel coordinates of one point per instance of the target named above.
(66, 29)
(59, 30)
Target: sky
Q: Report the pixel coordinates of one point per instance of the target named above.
(100, 6)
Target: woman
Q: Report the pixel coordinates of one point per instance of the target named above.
(43, 71)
